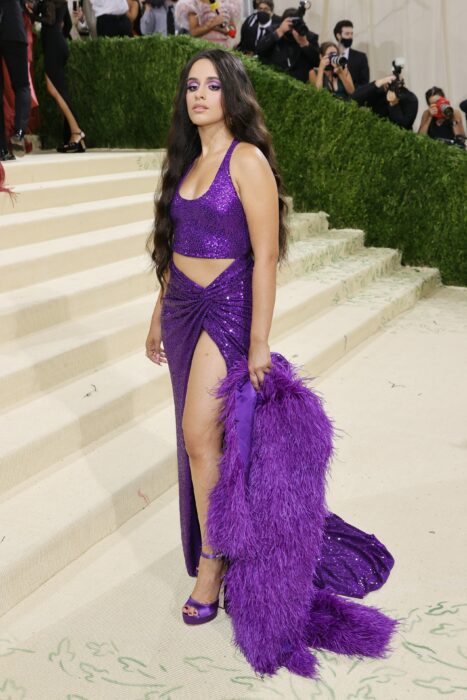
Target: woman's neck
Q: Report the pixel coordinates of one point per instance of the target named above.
(214, 142)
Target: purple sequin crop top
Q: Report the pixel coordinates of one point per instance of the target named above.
(213, 225)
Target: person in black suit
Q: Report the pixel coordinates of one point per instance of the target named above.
(295, 54)
(257, 25)
(14, 51)
(357, 60)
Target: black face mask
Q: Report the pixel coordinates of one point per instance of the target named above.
(346, 43)
(263, 16)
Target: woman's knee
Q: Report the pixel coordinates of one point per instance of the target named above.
(202, 443)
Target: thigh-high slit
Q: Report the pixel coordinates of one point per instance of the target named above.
(223, 310)
(352, 562)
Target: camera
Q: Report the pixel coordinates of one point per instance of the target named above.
(336, 61)
(445, 110)
(398, 84)
(458, 140)
(297, 22)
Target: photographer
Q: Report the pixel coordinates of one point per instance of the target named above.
(357, 60)
(388, 97)
(158, 17)
(332, 73)
(257, 25)
(14, 51)
(440, 121)
(292, 47)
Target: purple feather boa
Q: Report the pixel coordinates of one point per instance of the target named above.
(266, 515)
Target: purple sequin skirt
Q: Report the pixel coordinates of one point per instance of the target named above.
(352, 562)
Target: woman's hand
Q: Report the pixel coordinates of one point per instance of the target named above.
(154, 350)
(259, 362)
(216, 21)
(323, 63)
(77, 16)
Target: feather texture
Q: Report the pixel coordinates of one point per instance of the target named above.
(267, 514)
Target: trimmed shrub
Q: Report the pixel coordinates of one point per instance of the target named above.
(405, 190)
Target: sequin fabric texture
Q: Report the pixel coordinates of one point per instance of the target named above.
(223, 310)
(213, 225)
(352, 562)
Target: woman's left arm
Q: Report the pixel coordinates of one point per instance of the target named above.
(257, 188)
(458, 125)
(344, 75)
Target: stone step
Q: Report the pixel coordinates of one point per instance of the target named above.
(46, 166)
(343, 328)
(50, 193)
(305, 224)
(64, 256)
(56, 222)
(30, 309)
(73, 415)
(79, 501)
(44, 360)
(93, 494)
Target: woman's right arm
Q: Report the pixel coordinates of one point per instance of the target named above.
(201, 29)
(425, 123)
(154, 350)
(319, 79)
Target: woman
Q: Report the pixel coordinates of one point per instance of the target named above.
(200, 129)
(435, 124)
(336, 79)
(221, 205)
(55, 49)
(200, 20)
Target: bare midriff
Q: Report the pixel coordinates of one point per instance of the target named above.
(202, 271)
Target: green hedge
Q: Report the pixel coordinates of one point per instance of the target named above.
(403, 189)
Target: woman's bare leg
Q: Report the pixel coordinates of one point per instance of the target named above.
(67, 113)
(203, 442)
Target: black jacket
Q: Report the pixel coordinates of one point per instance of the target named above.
(249, 32)
(11, 22)
(287, 55)
(403, 114)
(358, 67)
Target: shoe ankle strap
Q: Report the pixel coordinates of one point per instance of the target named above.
(207, 555)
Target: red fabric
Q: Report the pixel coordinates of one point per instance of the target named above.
(9, 95)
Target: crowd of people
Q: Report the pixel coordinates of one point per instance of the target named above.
(287, 43)
(284, 41)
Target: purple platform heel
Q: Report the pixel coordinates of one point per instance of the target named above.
(206, 611)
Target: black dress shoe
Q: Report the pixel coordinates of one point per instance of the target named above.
(6, 155)
(18, 143)
(74, 146)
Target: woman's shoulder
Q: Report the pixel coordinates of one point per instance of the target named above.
(248, 162)
(246, 153)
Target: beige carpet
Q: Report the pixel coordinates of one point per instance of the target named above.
(108, 627)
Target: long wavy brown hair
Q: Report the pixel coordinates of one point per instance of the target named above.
(245, 121)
